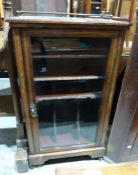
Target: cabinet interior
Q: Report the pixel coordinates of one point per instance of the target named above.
(68, 76)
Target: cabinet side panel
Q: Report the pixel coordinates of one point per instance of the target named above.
(22, 82)
(109, 87)
(122, 135)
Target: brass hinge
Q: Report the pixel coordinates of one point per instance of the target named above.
(33, 110)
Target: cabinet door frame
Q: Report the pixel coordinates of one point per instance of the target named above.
(26, 76)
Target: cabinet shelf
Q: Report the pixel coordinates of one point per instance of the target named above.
(96, 56)
(69, 96)
(67, 78)
(80, 51)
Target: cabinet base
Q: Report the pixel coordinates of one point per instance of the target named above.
(22, 160)
(40, 159)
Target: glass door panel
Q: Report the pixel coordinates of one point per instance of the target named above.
(67, 123)
(68, 87)
(68, 79)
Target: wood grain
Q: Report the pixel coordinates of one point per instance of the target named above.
(23, 87)
(67, 21)
(121, 144)
(24, 29)
(126, 169)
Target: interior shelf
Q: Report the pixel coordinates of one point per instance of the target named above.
(69, 96)
(80, 51)
(96, 56)
(64, 78)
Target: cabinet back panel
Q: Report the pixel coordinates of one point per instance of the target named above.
(65, 87)
(59, 57)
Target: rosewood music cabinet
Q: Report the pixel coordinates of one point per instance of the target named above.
(63, 73)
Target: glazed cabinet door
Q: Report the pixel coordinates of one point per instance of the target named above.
(70, 78)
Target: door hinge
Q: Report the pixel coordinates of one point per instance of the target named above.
(33, 109)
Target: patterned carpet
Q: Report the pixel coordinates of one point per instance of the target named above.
(8, 137)
(8, 151)
(7, 164)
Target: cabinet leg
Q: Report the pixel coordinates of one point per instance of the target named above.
(20, 131)
(21, 143)
(22, 160)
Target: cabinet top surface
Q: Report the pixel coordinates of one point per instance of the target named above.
(29, 20)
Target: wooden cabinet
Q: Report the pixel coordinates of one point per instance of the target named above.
(66, 76)
(123, 141)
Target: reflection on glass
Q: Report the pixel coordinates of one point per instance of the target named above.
(68, 83)
(69, 57)
(67, 122)
(66, 87)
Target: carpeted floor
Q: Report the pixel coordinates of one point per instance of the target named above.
(8, 137)
(8, 151)
(7, 164)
